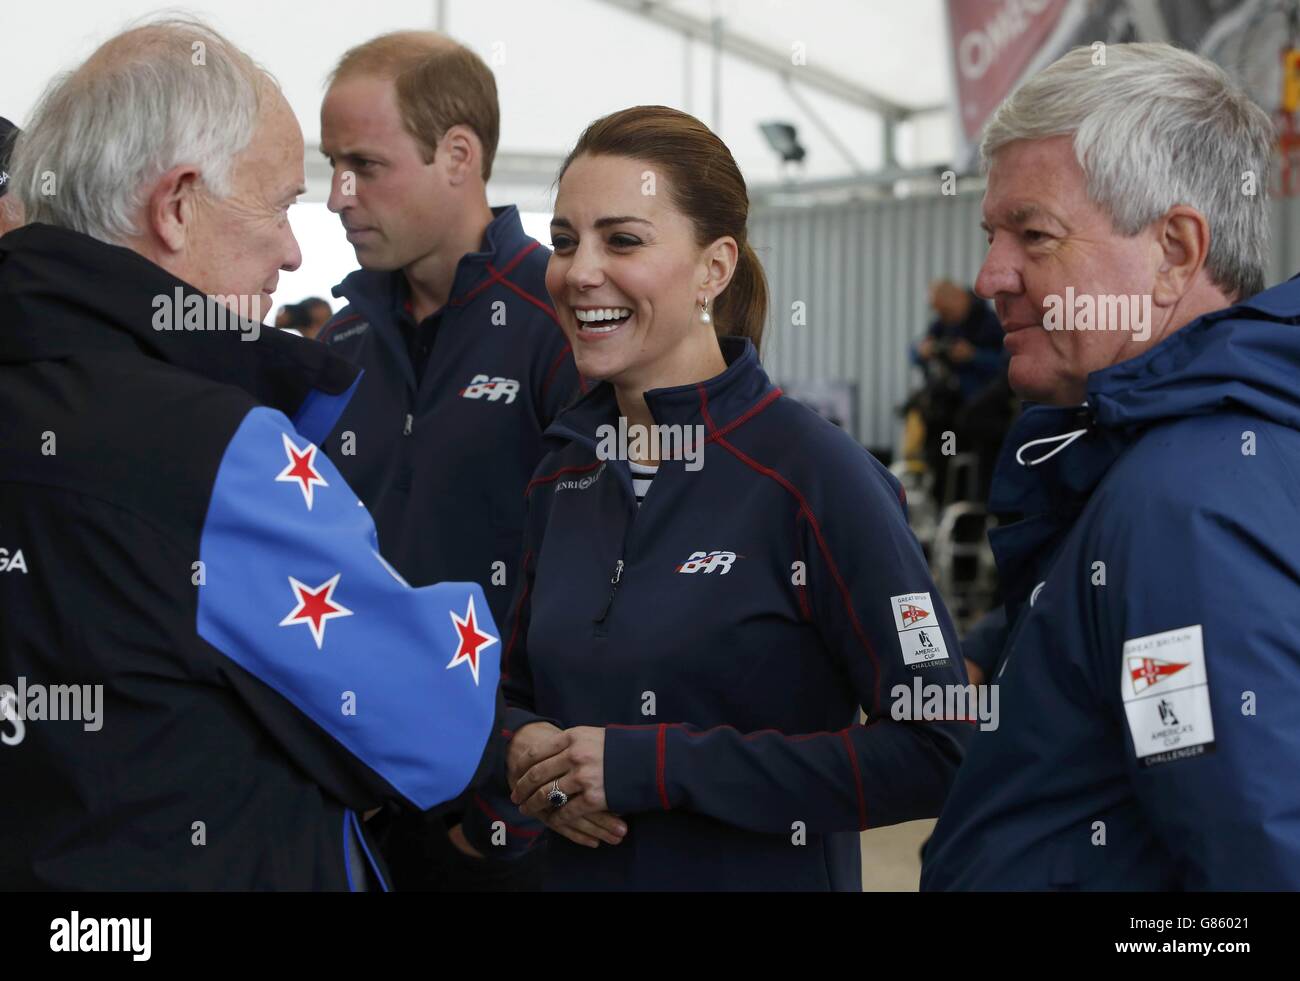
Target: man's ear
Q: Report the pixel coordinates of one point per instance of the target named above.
(172, 206)
(1184, 243)
(720, 259)
(462, 153)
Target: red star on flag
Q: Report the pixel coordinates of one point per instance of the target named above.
(301, 469)
(315, 606)
(472, 640)
(1147, 671)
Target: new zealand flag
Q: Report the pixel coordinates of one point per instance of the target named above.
(295, 591)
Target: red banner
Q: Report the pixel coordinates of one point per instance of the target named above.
(993, 42)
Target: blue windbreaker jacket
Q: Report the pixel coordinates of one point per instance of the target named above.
(1150, 696)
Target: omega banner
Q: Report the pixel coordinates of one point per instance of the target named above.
(993, 43)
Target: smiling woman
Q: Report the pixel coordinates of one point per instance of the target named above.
(744, 588)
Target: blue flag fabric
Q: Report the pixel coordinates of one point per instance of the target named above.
(298, 595)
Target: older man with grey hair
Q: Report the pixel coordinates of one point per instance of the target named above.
(207, 671)
(1148, 734)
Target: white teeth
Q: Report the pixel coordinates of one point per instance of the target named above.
(604, 313)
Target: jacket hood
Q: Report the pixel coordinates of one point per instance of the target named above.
(1245, 357)
(64, 294)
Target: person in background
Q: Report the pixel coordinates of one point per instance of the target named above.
(963, 362)
(11, 208)
(465, 363)
(317, 313)
(292, 318)
(694, 638)
(1149, 734)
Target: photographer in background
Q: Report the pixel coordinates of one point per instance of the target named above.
(962, 359)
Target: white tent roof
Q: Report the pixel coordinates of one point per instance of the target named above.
(562, 63)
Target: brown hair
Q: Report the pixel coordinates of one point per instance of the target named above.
(440, 84)
(705, 185)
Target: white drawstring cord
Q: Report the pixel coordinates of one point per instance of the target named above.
(1065, 439)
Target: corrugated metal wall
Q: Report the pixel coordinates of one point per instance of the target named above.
(863, 268)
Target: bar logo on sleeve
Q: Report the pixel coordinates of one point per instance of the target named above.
(919, 635)
(1166, 696)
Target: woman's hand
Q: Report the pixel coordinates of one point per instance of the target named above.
(579, 769)
(576, 758)
(531, 744)
(588, 830)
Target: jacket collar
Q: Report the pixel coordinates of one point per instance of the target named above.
(375, 293)
(1054, 457)
(64, 295)
(719, 404)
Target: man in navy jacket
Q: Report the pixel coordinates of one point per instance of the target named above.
(465, 364)
(1148, 736)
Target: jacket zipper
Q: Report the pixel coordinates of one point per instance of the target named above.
(613, 589)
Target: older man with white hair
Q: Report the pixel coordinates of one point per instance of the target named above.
(1148, 734)
(207, 671)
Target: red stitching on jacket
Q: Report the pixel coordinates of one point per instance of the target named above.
(555, 366)
(519, 615)
(741, 419)
(559, 473)
(817, 533)
(495, 275)
(661, 742)
(857, 779)
(540, 304)
(494, 816)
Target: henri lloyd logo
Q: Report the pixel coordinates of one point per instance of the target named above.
(582, 483)
(493, 389)
(1167, 696)
(716, 561)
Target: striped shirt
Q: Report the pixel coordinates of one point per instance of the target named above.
(641, 478)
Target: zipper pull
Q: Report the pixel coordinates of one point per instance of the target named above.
(406, 430)
(613, 588)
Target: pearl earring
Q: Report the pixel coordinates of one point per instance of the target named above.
(704, 313)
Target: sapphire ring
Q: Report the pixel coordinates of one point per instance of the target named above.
(557, 798)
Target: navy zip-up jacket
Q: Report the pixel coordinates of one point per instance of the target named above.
(442, 465)
(1150, 731)
(756, 603)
